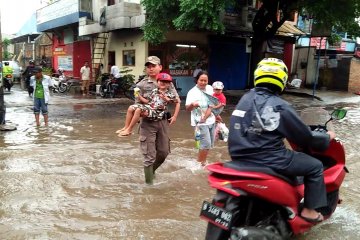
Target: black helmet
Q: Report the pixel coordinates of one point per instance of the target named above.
(31, 61)
(6, 63)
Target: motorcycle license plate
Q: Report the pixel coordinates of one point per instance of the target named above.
(216, 215)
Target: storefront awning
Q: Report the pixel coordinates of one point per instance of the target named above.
(290, 30)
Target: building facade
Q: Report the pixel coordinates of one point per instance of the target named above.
(107, 32)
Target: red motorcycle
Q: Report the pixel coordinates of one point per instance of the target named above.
(255, 202)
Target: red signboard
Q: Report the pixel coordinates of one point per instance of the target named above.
(318, 42)
(342, 46)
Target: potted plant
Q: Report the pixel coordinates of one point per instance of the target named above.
(128, 79)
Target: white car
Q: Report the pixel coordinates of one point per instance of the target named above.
(16, 68)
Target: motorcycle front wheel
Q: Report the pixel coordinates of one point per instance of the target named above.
(129, 94)
(111, 91)
(62, 88)
(102, 91)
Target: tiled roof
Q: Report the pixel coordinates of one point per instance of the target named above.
(289, 29)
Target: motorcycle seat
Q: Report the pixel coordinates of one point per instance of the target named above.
(250, 167)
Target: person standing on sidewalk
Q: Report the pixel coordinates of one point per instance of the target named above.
(154, 135)
(197, 70)
(41, 84)
(85, 78)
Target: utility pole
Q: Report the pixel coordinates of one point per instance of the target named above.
(2, 103)
(3, 126)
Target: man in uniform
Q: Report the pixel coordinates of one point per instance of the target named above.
(154, 135)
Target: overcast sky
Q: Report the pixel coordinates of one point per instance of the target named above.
(14, 14)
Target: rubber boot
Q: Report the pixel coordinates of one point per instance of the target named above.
(149, 174)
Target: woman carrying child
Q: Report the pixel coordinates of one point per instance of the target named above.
(197, 101)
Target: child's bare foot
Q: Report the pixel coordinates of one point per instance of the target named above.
(124, 133)
(120, 130)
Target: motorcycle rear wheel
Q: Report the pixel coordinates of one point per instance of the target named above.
(252, 219)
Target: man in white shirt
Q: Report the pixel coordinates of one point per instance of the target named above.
(197, 70)
(114, 71)
(85, 78)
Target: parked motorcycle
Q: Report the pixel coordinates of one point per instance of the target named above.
(8, 81)
(107, 88)
(111, 87)
(59, 80)
(66, 84)
(255, 202)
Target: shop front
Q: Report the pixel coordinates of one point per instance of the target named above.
(180, 59)
(71, 56)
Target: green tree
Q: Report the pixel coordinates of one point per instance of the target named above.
(204, 15)
(6, 54)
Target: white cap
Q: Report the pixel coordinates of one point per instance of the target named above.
(218, 85)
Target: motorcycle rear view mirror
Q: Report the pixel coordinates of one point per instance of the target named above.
(338, 114)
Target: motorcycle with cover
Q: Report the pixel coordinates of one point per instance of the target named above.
(8, 81)
(255, 202)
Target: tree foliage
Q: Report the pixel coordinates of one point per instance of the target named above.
(159, 17)
(204, 15)
(5, 44)
(194, 15)
(339, 14)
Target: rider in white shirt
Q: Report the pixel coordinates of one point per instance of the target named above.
(115, 72)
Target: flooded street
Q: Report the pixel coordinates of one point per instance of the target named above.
(77, 180)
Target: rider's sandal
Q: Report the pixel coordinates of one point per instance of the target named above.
(319, 218)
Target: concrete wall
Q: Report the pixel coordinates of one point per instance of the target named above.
(306, 73)
(133, 41)
(354, 78)
(123, 14)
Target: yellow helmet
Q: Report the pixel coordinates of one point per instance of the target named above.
(271, 71)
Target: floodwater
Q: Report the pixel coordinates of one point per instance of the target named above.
(77, 180)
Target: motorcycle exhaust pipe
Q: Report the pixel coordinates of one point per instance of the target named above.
(253, 233)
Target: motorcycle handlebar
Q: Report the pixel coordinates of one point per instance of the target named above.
(318, 128)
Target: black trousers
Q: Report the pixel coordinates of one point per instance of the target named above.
(312, 170)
